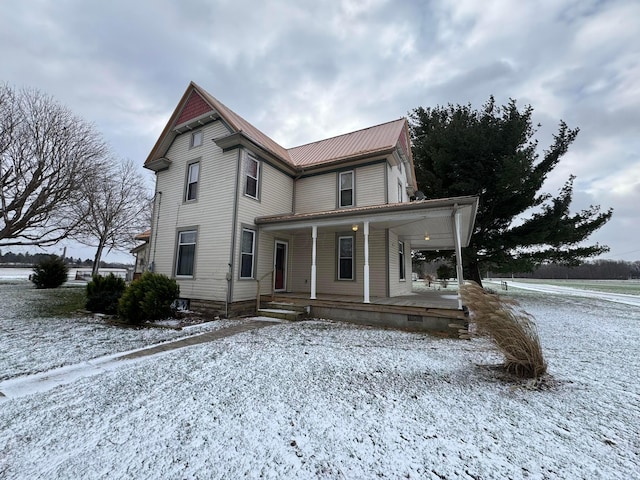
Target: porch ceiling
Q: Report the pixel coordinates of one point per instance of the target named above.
(412, 222)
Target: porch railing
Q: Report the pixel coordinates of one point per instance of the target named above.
(258, 292)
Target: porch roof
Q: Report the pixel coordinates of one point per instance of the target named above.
(424, 224)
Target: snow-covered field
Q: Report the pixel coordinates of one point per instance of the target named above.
(320, 399)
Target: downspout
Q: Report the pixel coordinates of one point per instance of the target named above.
(158, 196)
(234, 226)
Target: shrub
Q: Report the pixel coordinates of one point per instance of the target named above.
(511, 329)
(444, 272)
(103, 293)
(150, 297)
(50, 272)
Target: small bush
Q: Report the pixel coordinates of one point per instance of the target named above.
(150, 297)
(511, 329)
(444, 272)
(103, 294)
(50, 272)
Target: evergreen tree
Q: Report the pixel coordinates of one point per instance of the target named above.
(492, 153)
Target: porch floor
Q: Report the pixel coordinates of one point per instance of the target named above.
(439, 302)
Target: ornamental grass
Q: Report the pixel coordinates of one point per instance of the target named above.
(511, 329)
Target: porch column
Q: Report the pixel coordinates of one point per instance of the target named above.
(456, 240)
(314, 236)
(366, 262)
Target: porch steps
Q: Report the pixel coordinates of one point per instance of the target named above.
(284, 311)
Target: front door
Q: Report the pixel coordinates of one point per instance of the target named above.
(280, 266)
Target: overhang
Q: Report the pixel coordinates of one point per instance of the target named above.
(424, 224)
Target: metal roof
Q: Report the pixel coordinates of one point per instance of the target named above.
(239, 124)
(368, 141)
(376, 140)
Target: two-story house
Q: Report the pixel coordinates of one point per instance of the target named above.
(333, 217)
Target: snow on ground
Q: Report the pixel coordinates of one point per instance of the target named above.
(34, 342)
(624, 298)
(320, 399)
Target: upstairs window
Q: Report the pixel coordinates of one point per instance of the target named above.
(345, 258)
(247, 253)
(401, 259)
(196, 139)
(252, 176)
(346, 189)
(191, 190)
(399, 192)
(186, 253)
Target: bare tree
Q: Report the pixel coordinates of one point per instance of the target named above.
(47, 155)
(115, 207)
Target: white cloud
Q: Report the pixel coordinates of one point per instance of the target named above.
(304, 70)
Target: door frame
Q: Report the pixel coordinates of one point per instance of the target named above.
(285, 243)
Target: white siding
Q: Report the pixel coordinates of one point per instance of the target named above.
(370, 185)
(316, 193)
(211, 214)
(300, 262)
(326, 264)
(275, 197)
(319, 193)
(397, 286)
(395, 177)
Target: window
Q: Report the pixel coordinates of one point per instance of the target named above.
(345, 258)
(252, 171)
(193, 172)
(346, 189)
(247, 253)
(186, 253)
(399, 192)
(401, 259)
(196, 139)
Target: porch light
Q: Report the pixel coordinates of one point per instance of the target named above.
(427, 237)
(354, 227)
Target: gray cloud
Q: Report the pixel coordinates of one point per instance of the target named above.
(304, 70)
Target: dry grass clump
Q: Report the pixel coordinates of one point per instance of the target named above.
(511, 329)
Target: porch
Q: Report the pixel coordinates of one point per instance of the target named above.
(433, 311)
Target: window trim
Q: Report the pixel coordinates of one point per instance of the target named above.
(187, 183)
(402, 274)
(400, 192)
(352, 237)
(179, 234)
(353, 188)
(192, 143)
(252, 253)
(250, 157)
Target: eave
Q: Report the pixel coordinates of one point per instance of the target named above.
(412, 221)
(240, 139)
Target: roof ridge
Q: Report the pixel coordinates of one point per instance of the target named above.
(348, 133)
(238, 122)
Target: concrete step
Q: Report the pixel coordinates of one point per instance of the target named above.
(284, 306)
(291, 315)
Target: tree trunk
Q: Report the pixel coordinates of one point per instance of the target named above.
(474, 273)
(96, 260)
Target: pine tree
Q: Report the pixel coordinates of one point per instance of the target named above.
(492, 153)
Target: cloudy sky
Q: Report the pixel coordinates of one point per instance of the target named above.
(302, 70)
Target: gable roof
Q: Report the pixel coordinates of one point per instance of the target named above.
(368, 141)
(197, 107)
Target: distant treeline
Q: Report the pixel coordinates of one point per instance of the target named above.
(594, 270)
(28, 260)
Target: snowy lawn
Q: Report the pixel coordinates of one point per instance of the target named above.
(34, 341)
(326, 400)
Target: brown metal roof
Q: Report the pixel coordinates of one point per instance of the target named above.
(239, 124)
(379, 139)
(368, 141)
